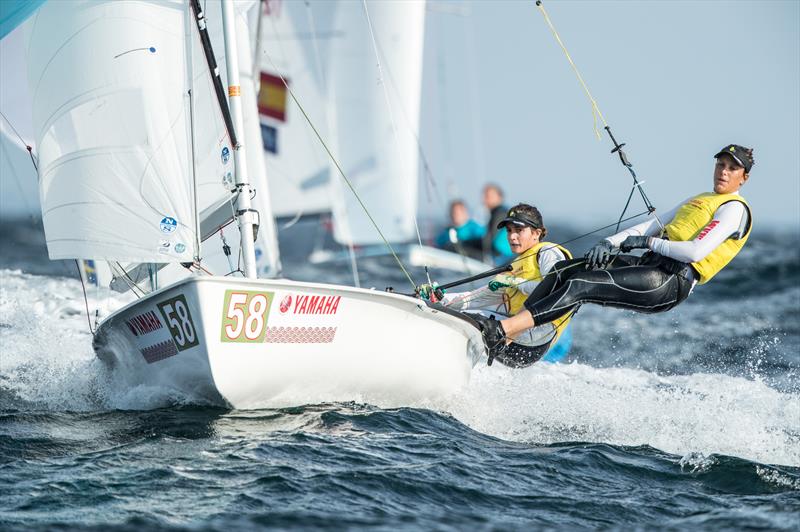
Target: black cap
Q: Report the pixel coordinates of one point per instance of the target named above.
(516, 217)
(740, 154)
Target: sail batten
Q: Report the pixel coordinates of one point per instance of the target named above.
(111, 119)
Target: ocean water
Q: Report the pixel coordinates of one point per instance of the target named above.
(689, 419)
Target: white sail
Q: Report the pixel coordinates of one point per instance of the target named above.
(214, 153)
(375, 117)
(113, 139)
(294, 44)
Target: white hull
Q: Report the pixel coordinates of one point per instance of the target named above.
(411, 254)
(263, 343)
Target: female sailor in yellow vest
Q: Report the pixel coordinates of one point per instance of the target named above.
(505, 295)
(703, 234)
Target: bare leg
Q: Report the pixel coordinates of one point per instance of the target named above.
(517, 323)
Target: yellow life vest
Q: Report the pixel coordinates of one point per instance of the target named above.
(693, 218)
(527, 267)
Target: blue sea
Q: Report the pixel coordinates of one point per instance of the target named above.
(683, 420)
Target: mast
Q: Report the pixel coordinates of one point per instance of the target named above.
(247, 216)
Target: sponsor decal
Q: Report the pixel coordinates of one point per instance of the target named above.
(159, 351)
(180, 247)
(142, 324)
(300, 335)
(244, 315)
(286, 304)
(707, 229)
(227, 182)
(179, 322)
(225, 155)
(168, 225)
(316, 304)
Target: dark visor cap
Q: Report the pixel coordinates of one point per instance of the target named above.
(517, 218)
(740, 154)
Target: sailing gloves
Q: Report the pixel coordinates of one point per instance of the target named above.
(599, 256)
(505, 280)
(493, 336)
(634, 242)
(430, 292)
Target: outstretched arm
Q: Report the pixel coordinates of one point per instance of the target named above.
(646, 228)
(728, 220)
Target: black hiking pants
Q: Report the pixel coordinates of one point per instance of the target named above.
(650, 283)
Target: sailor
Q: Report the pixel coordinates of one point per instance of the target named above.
(464, 234)
(495, 243)
(703, 235)
(505, 295)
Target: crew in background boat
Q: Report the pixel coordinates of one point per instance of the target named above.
(464, 235)
(703, 234)
(507, 292)
(495, 243)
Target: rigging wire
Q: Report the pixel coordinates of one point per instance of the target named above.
(27, 146)
(318, 63)
(85, 298)
(555, 245)
(382, 83)
(342, 173)
(430, 179)
(595, 114)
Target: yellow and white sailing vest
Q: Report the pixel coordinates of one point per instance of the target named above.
(691, 220)
(527, 267)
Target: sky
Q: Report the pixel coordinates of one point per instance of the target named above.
(675, 80)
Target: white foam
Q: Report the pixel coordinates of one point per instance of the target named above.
(46, 356)
(46, 360)
(700, 413)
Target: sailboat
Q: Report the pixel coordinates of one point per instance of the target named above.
(136, 146)
(366, 100)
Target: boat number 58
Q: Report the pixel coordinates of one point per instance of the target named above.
(245, 316)
(176, 313)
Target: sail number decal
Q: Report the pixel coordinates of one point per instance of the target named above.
(179, 321)
(244, 315)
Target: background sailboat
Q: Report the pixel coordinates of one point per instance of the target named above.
(357, 72)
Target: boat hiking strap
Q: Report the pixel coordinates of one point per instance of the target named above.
(637, 185)
(340, 170)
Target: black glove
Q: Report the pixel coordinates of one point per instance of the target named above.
(493, 336)
(600, 255)
(634, 242)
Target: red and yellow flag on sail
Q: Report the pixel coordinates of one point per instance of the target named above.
(272, 97)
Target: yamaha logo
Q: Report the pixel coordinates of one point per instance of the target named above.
(286, 304)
